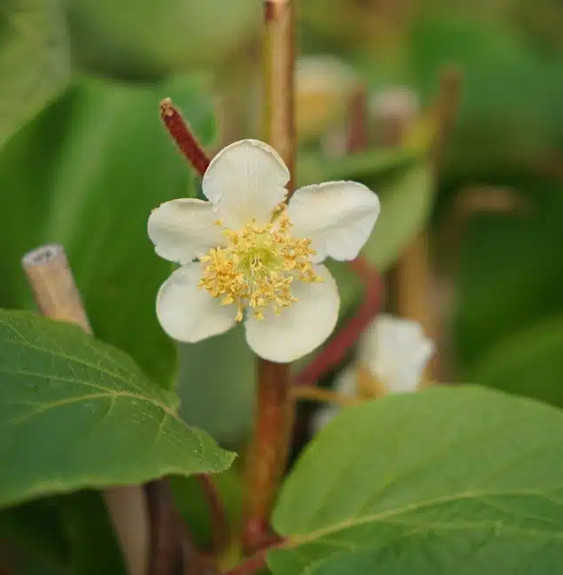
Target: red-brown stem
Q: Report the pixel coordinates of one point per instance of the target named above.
(273, 423)
(334, 352)
(269, 446)
(183, 136)
(219, 521)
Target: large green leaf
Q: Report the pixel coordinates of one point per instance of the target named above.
(75, 413)
(87, 175)
(445, 481)
(406, 200)
(34, 59)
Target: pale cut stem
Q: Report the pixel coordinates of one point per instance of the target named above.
(57, 297)
(274, 412)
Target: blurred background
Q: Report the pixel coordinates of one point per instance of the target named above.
(452, 111)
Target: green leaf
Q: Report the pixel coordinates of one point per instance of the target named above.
(101, 161)
(462, 480)
(34, 60)
(76, 413)
(509, 111)
(510, 271)
(406, 200)
(528, 362)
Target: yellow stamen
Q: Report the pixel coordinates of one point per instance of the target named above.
(258, 267)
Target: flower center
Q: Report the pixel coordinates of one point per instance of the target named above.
(258, 267)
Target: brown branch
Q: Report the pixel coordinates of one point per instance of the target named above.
(339, 345)
(219, 521)
(183, 136)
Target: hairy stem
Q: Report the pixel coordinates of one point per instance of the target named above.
(273, 423)
(183, 136)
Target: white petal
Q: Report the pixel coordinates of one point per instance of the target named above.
(337, 216)
(245, 181)
(183, 229)
(299, 328)
(188, 313)
(396, 352)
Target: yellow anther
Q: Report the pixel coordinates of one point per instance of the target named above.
(258, 266)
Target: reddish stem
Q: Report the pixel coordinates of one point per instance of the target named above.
(183, 136)
(268, 449)
(336, 349)
(219, 521)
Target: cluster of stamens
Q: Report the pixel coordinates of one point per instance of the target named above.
(258, 267)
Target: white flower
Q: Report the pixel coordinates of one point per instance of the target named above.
(394, 352)
(245, 255)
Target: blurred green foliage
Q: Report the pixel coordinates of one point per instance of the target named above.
(83, 159)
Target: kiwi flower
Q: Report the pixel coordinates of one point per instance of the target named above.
(246, 255)
(392, 355)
